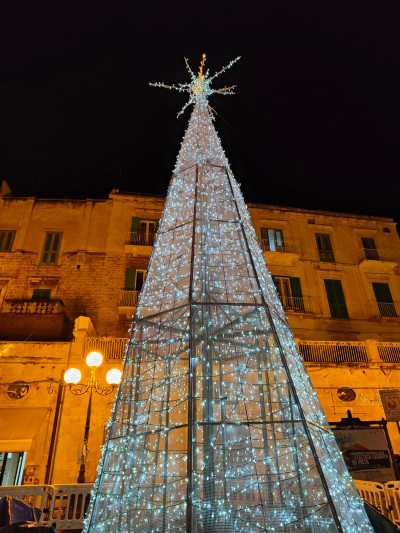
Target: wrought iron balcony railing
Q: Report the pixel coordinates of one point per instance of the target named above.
(387, 309)
(383, 309)
(301, 304)
(290, 246)
(370, 254)
(312, 351)
(39, 307)
(382, 254)
(333, 351)
(141, 238)
(128, 298)
(110, 347)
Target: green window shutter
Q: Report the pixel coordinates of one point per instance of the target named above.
(382, 293)
(130, 279)
(368, 243)
(336, 300)
(264, 233)
(41, 294)
(135, 226)
(296, 287)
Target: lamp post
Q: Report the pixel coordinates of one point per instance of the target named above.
(72, 377)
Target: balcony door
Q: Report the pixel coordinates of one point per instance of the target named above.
(384, 300)
(289, 292)
(143, 231)
(272, 239)
(336, 299)
(324, 246)
(369, 248)
(147, 232)
(134, 279)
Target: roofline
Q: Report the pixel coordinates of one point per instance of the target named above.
(249, 204)
(319, 212)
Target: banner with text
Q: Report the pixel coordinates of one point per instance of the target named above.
(366, 453)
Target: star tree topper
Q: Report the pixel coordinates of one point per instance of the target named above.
(199, 87)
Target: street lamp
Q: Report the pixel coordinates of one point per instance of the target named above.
(72, 377)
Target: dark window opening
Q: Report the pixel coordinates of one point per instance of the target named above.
(324, 246)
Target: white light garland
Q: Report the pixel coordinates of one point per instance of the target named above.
(216, 426)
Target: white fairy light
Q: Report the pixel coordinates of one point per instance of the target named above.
(199, 87)
(216, 426)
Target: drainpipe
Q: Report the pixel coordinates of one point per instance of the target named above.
(54, 434)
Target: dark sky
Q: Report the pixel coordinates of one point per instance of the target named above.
(315, 121)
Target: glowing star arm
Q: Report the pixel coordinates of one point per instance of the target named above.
(226, 90)
(223, 69)
(200, 85)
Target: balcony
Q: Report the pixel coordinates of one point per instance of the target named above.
(140, 243)
(333, 352)
(295, 304)
(336, 352)
(112, 348)
(42, 320)
(285, 254)
(127, 302)
(41, 307)
(374, 260)
(384, 309)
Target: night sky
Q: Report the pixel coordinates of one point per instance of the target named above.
(315, 121)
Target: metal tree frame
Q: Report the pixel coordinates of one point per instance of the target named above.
(216, 426)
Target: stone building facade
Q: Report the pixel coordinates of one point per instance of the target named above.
(70, 275)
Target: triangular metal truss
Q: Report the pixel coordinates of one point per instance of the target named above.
(216, 426)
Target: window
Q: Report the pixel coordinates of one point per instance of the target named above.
(324, 247)
(143, 231)
(369, 248)
(384, 300)
(41, 294)
(51, 247)
(11, 467)
(335, 295)
(6, 240)
(289, 291)
(134, 279)
(272, 239)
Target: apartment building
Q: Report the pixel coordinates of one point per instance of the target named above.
(70, 275)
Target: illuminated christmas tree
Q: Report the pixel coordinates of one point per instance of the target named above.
(216, 426)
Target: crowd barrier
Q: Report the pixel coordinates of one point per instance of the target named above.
(65, 506)
(62, 506)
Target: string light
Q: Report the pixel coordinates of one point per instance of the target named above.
(216, 425)
(199, 87)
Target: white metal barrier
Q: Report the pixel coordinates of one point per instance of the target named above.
(39, 496)
(375, 494)
(393, 497)
(62, 506)
(65, 506)
(69, 506)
